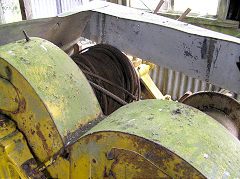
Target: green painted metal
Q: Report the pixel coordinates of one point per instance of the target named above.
(57, 80)
(191, 134)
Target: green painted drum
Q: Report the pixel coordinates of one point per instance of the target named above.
(188, 132)
(51, 100)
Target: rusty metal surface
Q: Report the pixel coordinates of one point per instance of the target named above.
(92, 151)
(194, 51)
(188, 132)
(109, 70)
(130, 164)
(197, 52)
(16, 158)
(28, 114)
(56, 103)
(222, 108)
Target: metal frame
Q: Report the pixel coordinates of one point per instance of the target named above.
(197, 52)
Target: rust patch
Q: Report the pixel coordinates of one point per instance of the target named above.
(208, 102)
(210, 58)
(139, 165)
(9, 73)
(177, 111)
(22, 106)
(105, 175)
(99, 137)
(28, 167)
(40, 134)
(238, 64)
(74, 136)
(31, 117)
(62, 153)
(162, 157)
(204, 49)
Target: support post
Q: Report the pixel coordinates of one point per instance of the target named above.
(158, 6)
(223, 6)
(26, 9)
(2, 20)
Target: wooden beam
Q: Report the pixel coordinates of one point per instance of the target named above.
(124, 2)
(158, 6)
(172, 5)
(223, 6)
(26, 9)
(113, 1)
(2, 20)
(121, 2)
(184, 14)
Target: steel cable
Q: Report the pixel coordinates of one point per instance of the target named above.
(111, 74)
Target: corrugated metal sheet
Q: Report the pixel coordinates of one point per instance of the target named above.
(49, 8)
(176, 83)
(67, 5)
(44, 8)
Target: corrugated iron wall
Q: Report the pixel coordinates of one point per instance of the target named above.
(176, 83)
(44, 8)
(71, 4)
(49, 8)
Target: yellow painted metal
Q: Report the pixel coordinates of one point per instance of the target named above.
(189, 133)
(149, 84)
(94, 160)
(143, 70)
(43, 91)
(133, 142)
(130, 164)
(143, 67)
(7, 168)
(9, 97)
(32, 117)
(55, 103)
(15, 156)
(61, 168)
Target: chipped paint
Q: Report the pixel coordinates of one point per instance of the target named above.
(57, 81)
(187, 132)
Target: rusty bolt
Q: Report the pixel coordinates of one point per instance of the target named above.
(26, 36)
(110, 155)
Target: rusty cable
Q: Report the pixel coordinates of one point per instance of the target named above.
(108, 93)
(116, 55)
(109, 82)
(107, 67)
